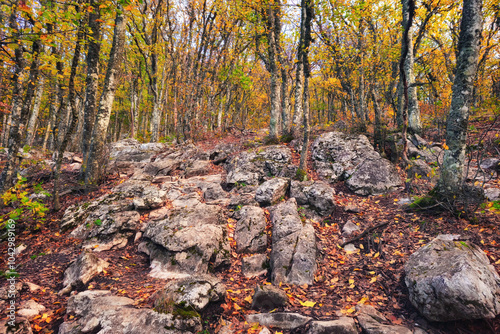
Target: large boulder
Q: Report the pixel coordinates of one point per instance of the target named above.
(250, 232)
(268, 297)
(343, 325)
(100, 312)
(271, 191)
(279, 319)
(131, 150)
(82, 270)
(317, 194)
(450, 279)
(339, 156)
(251, 167)
(371, 321)
(186, 241)
(293, 255)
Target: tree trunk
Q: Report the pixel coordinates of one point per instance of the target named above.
(414, 125)
(31, 129)
(92, 81)
(307, 13)
(452, 177)
(96, 153)
(299, 91)
(377, 133)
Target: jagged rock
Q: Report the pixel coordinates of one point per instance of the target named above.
(343, 325)
(186, 241)
(162, 167)
(268, 297)
(250, 232)
(254, 265)
(318, 195)
(352, 208)
(242, 197)
(131, 150)
(198, 168)
(21, 326)
(350, 248)
(32, 287)
(373, 177)
(221, 153)
(370, 320)
(81, 271)
(250, 167)
(339, 156)
(293, 255)
(451, 279)
(194, 292)
(30, 309)
(100, 312)
(279, 319)
(271, 191)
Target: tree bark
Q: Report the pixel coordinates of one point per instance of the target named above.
(31, 129)
(452, 177)
(94, 171)
(414, 125)
(92, 81)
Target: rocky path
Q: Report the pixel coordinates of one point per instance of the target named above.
(193, 240)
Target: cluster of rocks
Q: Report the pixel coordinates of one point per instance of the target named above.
(187, 240)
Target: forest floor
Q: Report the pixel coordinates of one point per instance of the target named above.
(374, 275)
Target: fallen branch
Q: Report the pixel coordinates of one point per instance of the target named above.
(364, 233)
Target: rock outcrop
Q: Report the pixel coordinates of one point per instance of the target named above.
(81, 271)
(317, 194)
(338, 156)
(250, 232)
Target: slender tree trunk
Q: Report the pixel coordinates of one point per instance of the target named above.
(74, 117)
(377, 133)
(414, 125)
(452, 171)
(96, 153)
(307, 13)
(92, 81)
(285, 117)
(51, 120)
(299, 91)
(31, 129)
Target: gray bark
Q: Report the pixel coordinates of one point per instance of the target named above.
(451, 181)
(31, 129)
(94, 169)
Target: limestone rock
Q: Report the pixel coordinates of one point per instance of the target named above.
(82, 270)
(279, 319)
(268, 297)
(339, 156)
(250, 232)
(293, 255)
(254, 265)
(271, 191)
(343, 325)
(30, 309)
(370, 320)
(450, 280)
(100, 312)
(186, 241)
(318, 195)
(194, 292)
(250, 167)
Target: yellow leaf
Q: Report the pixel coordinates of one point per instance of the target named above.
(377, 254)
(308, 304)
(237, 307)
(373, 280)
(351, 281)
(248, 299)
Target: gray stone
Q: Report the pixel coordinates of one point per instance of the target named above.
(350, 248)
(100, 312)
(81, 271)
(492, 194)
(186, 241)
(221, 152)
(373, 177)
(30, 309)
(419, 169)
(451, 280)
(293, 255)
(349, 228)
(131, 150)
(197, 168)
(271, 191)
(268, 297)
(250, 231)
(491, 165)
(343, 325)
(194, 292)
(254, 265)
(372, 326)
(318, 195)
(250, 167)
(279, 319)
(339, 156)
